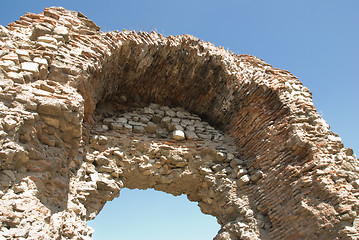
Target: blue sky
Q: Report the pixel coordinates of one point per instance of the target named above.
(316, 40)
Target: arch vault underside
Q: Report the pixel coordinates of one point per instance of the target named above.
(86, 113)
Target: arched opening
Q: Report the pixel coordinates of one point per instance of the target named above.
(170, 150)
(150, 214)
(282, 168)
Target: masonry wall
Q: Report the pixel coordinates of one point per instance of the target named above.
(61, 76)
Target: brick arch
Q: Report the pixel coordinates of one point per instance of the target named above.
(308, 180)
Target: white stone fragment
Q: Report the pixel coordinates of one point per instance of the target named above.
(12, 57)
(40, 61)
(127, 128)
(46, 39)
(30, 67)
(62, 31)
(16, 77)
(6, 64)
(3, 31)
(9, 124)
(22, 52)
(178, 135)
(47, 45)
(244, 180)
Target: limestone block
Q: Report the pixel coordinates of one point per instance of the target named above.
(244, 180)
(190, 128)
(4, 32)
(46, 87)
(29, 105)
(41, 30)
(28, 76)
(16, 77)
(191, 135)
(178, 135)
(108, 121)
(230, 156)
(127, 128)
(121, 120)
(46, 45)
(53, 108)
(186, 122)
(116, 126)
(52, 121)
(170, 113)
(6, 83)
(180, 114)
(165, 122)
(7, 65)
(21, 156)
(177, 160)
(144, 119)
(151, 128)
(148, 110)
(2, 52)
(22, 53)
(52, 14)
(204, 135)
(138, 129)
(135, 123)
(159, 112)
(41, 61)
(12, 57)
(220, 156)
(256, 176)
(217, 167)
(65, 126)
(106, 169)
(156, 119)
(9, 124)
(30, 67)
(47, 39)
(62, 31)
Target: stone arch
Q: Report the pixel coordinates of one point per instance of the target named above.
(61, 75)
(134, 157)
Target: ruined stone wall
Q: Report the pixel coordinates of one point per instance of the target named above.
(86, 113)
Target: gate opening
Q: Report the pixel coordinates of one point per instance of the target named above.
(150, 214)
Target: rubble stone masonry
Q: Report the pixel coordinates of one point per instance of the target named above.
(84, 113)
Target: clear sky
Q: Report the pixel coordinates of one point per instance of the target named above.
(316, 40)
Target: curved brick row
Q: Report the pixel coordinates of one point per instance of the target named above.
(61, 78)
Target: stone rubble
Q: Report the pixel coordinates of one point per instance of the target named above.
(163, 122)
(77, 126)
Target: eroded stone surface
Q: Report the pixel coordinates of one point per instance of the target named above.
(77, 125)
